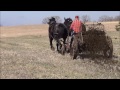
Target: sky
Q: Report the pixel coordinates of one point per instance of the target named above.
(13, 18)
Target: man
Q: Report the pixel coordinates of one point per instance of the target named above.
(76, 26)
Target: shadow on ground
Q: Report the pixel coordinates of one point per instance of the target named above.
(101, 60)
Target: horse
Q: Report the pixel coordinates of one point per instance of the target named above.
(68, 22)
(57, 31)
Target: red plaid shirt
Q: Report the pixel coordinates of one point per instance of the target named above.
(76, 25)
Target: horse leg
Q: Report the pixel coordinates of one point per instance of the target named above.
(71, 42)
(63, 48)
(58, 44)
(51, 39)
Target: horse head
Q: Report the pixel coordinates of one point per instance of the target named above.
(52, 21)
(68, 22)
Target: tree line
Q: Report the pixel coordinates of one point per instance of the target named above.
(106, 18)
(85, 18)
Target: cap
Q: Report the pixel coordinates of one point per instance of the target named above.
(76, 16)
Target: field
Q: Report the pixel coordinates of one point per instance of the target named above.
(25, 54)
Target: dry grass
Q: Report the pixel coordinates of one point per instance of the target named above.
(23, 30)
(30, 57)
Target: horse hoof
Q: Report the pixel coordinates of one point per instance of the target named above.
(63, 53)
(58, 51)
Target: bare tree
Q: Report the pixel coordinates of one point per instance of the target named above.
(117, 18)
(105, 18)
(110, 19)
(57, 18)
(85, 18)
(45, 20)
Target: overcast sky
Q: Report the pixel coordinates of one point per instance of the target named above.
(12, 18)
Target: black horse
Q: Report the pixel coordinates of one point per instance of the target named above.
(56, 32)
(68, 22)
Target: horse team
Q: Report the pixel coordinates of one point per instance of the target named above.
(61, 30)
(80, 42)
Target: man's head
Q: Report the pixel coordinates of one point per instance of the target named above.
(77, 17)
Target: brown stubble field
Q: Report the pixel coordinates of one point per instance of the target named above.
(25, 54)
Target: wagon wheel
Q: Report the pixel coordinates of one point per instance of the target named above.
(59, 48)
(74, 50)
(108, 52)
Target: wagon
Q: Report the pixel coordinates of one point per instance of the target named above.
(95, 41)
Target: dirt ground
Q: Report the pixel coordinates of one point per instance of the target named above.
(25, 54)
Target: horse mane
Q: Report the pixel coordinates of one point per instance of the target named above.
(62, 25)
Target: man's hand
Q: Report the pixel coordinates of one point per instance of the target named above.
(72, 32)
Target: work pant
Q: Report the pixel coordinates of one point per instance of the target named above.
(80, 37)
